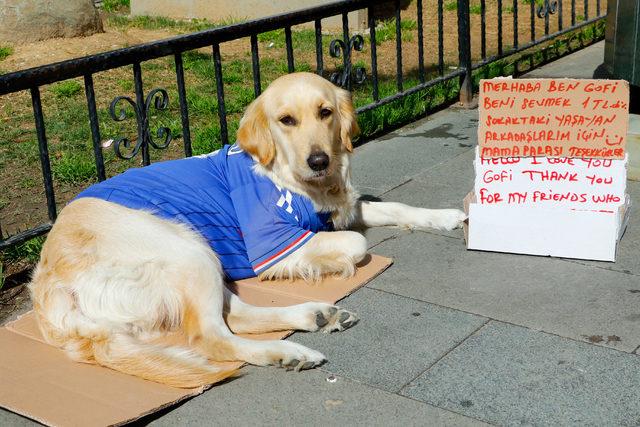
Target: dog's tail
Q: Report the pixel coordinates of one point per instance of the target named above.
(174, 366)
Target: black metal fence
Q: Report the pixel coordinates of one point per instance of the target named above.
(347, 76)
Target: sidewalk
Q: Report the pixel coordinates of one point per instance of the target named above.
(455, 337)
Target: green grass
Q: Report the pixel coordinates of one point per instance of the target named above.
(5, 51)
(159, 22)
(451, 5)
(387, 30)
(475, 9)
(66, 89)
(74, 169)
(115, 5)
(28, 251)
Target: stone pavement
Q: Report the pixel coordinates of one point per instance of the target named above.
(449, 336)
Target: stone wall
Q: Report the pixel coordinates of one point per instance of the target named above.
(32, 20)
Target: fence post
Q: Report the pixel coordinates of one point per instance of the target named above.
(464, 52)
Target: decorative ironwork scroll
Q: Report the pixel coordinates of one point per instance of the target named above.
(159, 99)
(349, 74)
(547, 8)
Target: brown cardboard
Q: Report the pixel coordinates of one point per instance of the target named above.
(553, 118)
(42, 383)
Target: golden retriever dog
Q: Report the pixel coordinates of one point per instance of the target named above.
(115, 281)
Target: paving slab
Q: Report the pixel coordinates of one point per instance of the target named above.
(510, 375)
(387, 162)
(397, 338)
(441, 187)
(578, 65)
(565, 298)
(270, 396)
(14, 420)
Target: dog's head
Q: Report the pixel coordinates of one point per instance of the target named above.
(300, 121)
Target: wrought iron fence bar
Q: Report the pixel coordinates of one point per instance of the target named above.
(420, 42)
(95, 127)
(464, 52)
(319, 59)
(23, 236)
(255, 66)
(398, 47)
(289, 46)
(560, 15)
(44, 153)
(532, 19)
(144, 120)
(573, 12)
(499, 27)
(598, 7)
(346, 53)
(38, 76)
(515, 23)
(546, 18)
(222, 113)
(440, 38)
(526, 46)
(374, 54)
(184, 108)
(410, 91)
(483, 28)
(586, 10)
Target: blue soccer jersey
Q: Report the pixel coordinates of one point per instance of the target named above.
(249, 222)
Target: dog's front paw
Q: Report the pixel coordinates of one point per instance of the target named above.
(448, 219)
(440, 219)
(335, 319)
(321, 317)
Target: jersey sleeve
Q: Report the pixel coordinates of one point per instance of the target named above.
(269, 230)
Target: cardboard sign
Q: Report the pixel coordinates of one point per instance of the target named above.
(42, 383)
(550, 168)
(545, 230)
(553, 117)
(587, 184)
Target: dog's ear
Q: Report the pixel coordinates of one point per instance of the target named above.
(254, 135)
(348, 124)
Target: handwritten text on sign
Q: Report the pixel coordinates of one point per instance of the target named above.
(587, 184)
(553, 117)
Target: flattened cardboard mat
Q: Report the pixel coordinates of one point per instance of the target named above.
(42, 383)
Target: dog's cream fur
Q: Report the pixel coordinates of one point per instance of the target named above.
(114, 284)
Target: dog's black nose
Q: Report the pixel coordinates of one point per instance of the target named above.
(318, 161)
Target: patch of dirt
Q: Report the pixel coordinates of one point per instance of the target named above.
(14, 302)
(54, 50)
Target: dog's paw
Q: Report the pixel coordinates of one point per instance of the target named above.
(448, 219)
(439, 219)
(298, 357)
(321, 317)
(335, 319)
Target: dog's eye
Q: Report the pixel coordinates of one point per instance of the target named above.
(324, 113)
(288, 121)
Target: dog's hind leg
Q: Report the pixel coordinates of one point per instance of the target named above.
(310, 316)
(203, 323)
